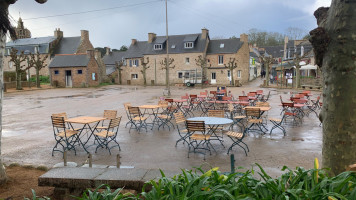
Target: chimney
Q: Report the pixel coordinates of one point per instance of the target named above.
(58, 33)
(204, 33)
(151, 37)
(244, 38)
(133, 41)
(84, 35)
(97, 54)
(107, 50)
(90, 53)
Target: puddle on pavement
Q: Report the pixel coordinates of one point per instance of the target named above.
(8, 133)
(94, 95)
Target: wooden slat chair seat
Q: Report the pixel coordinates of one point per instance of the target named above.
(67, 138)
(216, 113)
(254, 119)
(263, 104)
(105, 136)
(201, 140)
(237, 138)
(277, 123)
(139, 118)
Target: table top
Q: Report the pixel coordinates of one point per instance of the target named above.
(150, 106)
(84, 120)
(261, 108)
(212, 120)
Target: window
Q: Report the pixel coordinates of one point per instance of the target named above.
(186, 75)
(208, 60)
(135, 62)
(301, 51)
(130, 63)
(180, 74)
(134, 76)
(11, 64)
(80, 71)
(173, 46)
(8, 51)
(222, 45)
(213, 75)
(221, 60)
(228, 73)
(36, 49)
(188, 45)
(186, 60)
(157, 47)
(124, 62)
(238, 73)
(56, 72)
(93, 76)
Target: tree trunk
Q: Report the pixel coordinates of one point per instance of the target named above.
(297, 77)
(144, 76)
(18, 80)
(339, 69)
(2, 49)
(38, 83)
(267, 75)
(232, 77)
(120, 82)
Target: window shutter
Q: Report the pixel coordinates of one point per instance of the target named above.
(130, 63)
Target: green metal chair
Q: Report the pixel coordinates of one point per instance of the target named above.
(64, 136)
(104, 136)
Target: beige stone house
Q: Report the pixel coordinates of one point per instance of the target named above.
(184, 49)
(75, 70)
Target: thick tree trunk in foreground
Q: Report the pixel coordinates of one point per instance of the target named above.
(334, 47)
(2, 48)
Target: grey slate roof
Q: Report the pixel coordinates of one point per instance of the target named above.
(28, 45)
(68, 45)
(79, 60)
(275, 51)
(230, 46)
(144, 48)
(113, 57)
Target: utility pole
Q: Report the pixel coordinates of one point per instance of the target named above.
(167, 63)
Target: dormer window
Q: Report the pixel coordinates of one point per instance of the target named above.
(173, 46)
(222, 45)
(157, 47)
(36, 49)
(188, 45)
(301, 51)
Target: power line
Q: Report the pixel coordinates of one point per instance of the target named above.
(90, 11)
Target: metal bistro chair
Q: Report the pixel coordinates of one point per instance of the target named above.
(237, 138)
(63, 136)
(200, 140)
(108, 115)
(106, 135)
(181, 127)
(166, 116)
(138, 121)
(64, 115)
(277, 123)
(238, 120)
(265, 99)
(127, 105)
(254, 119)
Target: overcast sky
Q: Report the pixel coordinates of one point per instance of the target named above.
(114, 23)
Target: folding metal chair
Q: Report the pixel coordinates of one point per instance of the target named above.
(181, 127)
(254, 119)
(238, 120)
(265, 98)
(237, 138)
(166, 116)
(291, 112)
(63, 136)
(315, 105)
(277, 123)
(108, 115)
(138, 121)
(202, 141)
(106, 135)
(127, 105)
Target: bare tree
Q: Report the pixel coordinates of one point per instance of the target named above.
(267, 61)
(38, 64)
(144, 68)
(334, 49)
(5, 26)
(164, 65)
(231, 65)
(202, 62)
(295, 33)
(296, 61)
(118, 65)
(19, 68)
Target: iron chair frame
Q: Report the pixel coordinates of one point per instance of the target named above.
(111, 133)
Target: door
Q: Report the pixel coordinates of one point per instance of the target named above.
(213, 78)
(68, 78)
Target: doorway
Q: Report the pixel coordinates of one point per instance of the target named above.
(213, 78)
(68, 78)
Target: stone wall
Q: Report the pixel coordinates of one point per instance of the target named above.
(78, 80)
(85, 43)
(44, 71)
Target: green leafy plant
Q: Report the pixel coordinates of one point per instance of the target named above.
(35, 197)
(105, 194)
(43, 79)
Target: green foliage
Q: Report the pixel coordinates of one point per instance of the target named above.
(12, 75)
(43, 79)
(199, 185)
(35, 197)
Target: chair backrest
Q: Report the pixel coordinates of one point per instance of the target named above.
(185, 97)
(260, 91)
(203, 93)
(179, 117)
(134, 111)
(193, 96)
(64, 115)
(243, 98)
(287, 104)
(127, 105)
(251, 94)
(169, 100)
(226, 98)
(163, 103)
(299, 96)
(216, 113)
(110, 114)
(58, 122)
(193, 126)
(253, 112)
(115, 122)
(262, 104)
(230, 107)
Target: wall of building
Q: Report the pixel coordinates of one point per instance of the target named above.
(44, 71)
(78, 80)
(93, 71)
(85, 43)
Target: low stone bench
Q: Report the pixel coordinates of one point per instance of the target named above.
(311, 86)
(74, 180)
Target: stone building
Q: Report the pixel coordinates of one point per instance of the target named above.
(50, 46)
(21, 31)
(75, 70)
(185, 50)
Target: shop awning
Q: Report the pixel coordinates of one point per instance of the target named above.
(306, 67)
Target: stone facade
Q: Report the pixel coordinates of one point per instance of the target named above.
(21, 31)
(85, 43)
